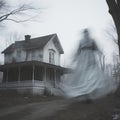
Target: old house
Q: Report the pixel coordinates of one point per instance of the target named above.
(33, 65)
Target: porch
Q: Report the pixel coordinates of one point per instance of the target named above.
(33, 76)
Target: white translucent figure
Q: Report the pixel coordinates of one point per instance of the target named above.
(87, 80)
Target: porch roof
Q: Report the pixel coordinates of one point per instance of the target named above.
(37, 63)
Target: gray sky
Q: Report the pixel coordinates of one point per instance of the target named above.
(67, 18)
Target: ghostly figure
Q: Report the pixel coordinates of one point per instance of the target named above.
(87, 81)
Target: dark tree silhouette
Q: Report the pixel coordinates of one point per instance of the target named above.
(114, 10)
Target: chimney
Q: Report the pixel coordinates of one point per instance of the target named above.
(27, 37)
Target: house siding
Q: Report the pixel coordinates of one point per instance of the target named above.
(36, 54)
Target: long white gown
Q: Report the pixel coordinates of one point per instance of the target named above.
(88, 79)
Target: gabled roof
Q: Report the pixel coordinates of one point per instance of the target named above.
(34, 43)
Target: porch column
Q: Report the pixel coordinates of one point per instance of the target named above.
(55, 77)
(33, 73)
(45, 74)
(45, 79)
(19, 74)
(7, 75)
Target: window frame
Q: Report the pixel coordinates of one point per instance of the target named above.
(52, 56)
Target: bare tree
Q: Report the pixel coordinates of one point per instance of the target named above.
(12, 37)
(18, 13)
(114, 10)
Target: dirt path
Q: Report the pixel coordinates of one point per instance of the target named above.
(33, 111)
(60, 109)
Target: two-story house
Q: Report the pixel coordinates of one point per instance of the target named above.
(33, 65)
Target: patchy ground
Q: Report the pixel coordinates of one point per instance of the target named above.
(26, 107)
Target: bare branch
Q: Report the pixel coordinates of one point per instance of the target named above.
(12, 37)
(111, 32)
(20, 12)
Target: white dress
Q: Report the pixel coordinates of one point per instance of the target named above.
(88, 79)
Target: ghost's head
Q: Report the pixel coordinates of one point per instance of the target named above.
(86, 33)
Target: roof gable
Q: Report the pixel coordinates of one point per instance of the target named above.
(33, 43)
(58, 45)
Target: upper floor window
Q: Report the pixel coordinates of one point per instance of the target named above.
(33, 55)
(51, 56)
(18, 53)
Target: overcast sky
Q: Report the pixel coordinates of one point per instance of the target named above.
(67, 18)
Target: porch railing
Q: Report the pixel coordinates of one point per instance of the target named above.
(27, 83)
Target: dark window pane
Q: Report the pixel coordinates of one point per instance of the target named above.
(12, 74)
(38, 73)
(26, 73)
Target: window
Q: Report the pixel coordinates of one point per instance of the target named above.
(18, 53)
(51, 56)
(33, 55)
